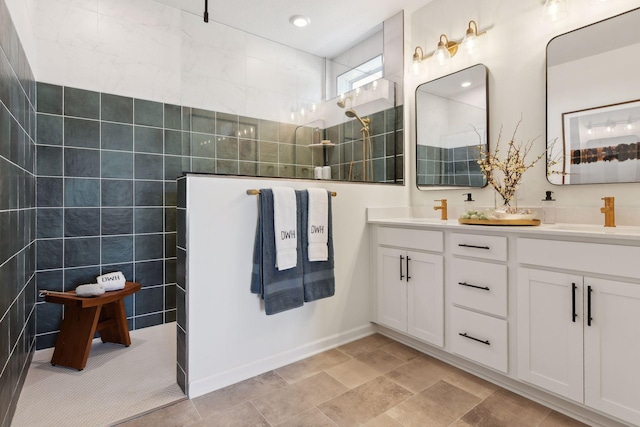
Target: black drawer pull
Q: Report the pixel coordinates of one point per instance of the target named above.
(473, 246)
(484, 288)
(589, 318)
(408, 277)
(401, 275)
(574, 315)
(473, 338)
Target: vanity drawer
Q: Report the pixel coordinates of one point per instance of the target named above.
(484, 340)
(615, 260)
(479, 246)
(479, 285)
(408, 238)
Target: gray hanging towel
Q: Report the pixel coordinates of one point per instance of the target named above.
(319, 278)
(280, 290)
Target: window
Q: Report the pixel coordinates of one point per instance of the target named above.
(360, 75)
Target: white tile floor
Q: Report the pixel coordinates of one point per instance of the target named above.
(117, 383)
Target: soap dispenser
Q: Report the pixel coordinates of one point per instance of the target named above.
(469, 203)
(548, 209)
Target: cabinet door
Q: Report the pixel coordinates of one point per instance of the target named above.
(549, 335)
(425, 297)
(612, 348)
(392, 288)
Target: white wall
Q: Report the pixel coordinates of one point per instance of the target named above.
(144, 49)
(229, 336)
(449, 123)
(22, 16)
(514, 52)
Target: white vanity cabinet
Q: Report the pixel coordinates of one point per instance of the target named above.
(477, 289)
(578, 335)
(410, 282)
(554, 314)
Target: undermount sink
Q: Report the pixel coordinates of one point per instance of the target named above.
(593, 228)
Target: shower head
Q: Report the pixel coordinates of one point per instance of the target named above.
(365, 122)
(342, 102)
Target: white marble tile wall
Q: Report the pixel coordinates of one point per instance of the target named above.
(148, 50)
(393, 52)
(22, 16)
(228, 70)
(127, 47)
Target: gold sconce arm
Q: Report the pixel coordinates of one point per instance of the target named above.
(448, 48)
(417, 57)
(474, 31)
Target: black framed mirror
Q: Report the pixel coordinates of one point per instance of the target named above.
(452, 122)
(593, 103)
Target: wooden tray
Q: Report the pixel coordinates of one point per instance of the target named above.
(499, 221)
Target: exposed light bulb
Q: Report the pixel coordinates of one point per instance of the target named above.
(442, 54)
(415, 67)
(470, 44)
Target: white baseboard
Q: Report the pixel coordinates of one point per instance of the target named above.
(240, 373)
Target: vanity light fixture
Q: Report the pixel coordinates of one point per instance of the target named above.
(300, 20)
(556, 9)
(611, 126)
(470, 40)
(448, 48)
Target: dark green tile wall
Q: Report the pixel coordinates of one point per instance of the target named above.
(107, 168)
(386, 151)
(106, 199)
(448, 166)
(17, 216)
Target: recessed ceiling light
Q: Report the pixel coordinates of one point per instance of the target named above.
(300, 20)
(465, 84)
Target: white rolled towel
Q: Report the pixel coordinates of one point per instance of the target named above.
(112, 281)
(90, 290)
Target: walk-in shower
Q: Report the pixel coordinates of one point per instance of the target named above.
(367, 165)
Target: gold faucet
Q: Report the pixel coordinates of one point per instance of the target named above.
(442, 208)
(609, 211)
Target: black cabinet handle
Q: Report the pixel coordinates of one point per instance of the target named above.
(484, 288)
(573, 302)
(473, 338)
(589, 318)
(408, 259)
(401, 275)
(473, 246)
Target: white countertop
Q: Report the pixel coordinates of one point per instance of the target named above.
(591, 231)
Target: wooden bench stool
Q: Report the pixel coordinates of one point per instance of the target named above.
(83, 317)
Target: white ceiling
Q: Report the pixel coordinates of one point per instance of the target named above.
(335, 24)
